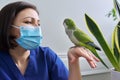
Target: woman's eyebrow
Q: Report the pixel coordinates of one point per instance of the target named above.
(31, 18)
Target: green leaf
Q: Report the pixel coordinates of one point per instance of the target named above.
(116, 7)
(117, 42)
(94, 29)
(117, 37)
(114, 46)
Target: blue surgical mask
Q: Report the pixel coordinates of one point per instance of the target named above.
(30, 37)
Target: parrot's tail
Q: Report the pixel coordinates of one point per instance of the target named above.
(94, 45)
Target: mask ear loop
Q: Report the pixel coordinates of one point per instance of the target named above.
(15, 26)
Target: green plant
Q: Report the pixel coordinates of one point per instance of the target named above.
(112, 52)
(115, 10)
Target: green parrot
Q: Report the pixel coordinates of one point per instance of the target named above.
(79, 38)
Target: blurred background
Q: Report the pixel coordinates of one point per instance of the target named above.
(52, 14)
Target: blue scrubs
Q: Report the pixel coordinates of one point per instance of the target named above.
(43, 64)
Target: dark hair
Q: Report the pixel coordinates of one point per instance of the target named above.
(7, 16)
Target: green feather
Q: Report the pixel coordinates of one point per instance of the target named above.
(81, 36)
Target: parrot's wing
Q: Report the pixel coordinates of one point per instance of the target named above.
(84, 38)
(81, 36)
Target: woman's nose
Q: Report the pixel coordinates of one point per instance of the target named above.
(36, 24)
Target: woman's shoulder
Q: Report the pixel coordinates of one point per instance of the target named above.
(45, 52)
(47, 55)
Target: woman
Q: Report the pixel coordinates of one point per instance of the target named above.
(21, 57)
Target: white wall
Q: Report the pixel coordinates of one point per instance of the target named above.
(53, 12)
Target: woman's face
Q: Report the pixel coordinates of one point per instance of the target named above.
(27, 17)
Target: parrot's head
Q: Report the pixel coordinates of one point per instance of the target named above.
(69, 24)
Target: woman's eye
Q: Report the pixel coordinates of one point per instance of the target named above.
(28, 22)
